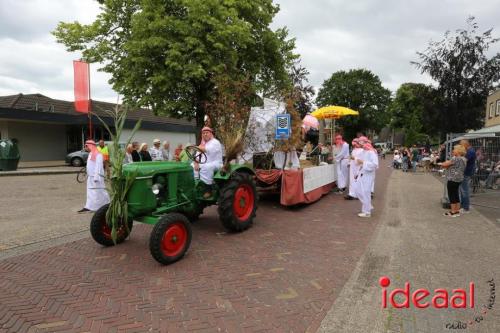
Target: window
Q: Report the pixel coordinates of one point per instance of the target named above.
(492, 110)
(498, 108)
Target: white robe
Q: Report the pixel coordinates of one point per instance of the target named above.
(353, 170)
(97, 196)
(365, 179)
(342, 161)
(213, 150)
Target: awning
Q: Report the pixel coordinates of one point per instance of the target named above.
(486, 132)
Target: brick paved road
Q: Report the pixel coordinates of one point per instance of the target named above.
(282, 275)
(37, 209)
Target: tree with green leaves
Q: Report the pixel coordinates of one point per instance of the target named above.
(360, 90)
(302, 92)
(166, 54)
(465, 75)
(413, 109)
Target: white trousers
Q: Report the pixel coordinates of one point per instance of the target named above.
(208, 170)
(342, 173)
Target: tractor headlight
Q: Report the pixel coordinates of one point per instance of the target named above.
(156, 188)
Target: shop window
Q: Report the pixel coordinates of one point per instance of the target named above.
(492, 110)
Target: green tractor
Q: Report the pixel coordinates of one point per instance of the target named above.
(167, 195)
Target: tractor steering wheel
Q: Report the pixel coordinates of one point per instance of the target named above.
(196, 154)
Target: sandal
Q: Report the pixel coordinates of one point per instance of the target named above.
(451, 214)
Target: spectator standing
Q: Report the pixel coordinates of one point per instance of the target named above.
(155, 151)
(442, 154)
(166, 151)
(136, 157)
(455, 169)
(470, 156)
(177, 152)
(405, 159)
(145, 156)
(183, 157)
(414, 158)
(103, 149)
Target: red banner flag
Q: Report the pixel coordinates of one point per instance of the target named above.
(82, 86)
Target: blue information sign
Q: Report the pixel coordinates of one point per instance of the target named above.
(283, 126)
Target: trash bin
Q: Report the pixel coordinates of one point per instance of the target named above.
(9, 155)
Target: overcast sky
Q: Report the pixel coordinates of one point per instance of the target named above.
(331, 35)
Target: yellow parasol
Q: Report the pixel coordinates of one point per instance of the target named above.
(333, 112)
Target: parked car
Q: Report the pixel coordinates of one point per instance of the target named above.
(77, 158)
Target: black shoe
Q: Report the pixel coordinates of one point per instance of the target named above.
(348, 197)
(83, 210)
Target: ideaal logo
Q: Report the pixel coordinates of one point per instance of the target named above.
(440, 299)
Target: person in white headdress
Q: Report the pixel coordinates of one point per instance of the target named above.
(97, 196)
(342, 161)
(353, 168)
(367, 164)
(213, 149)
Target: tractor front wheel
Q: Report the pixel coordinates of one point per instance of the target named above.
(170, 238)
(238, 202)
(101, 232)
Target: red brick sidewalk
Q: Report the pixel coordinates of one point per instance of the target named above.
(282, 275)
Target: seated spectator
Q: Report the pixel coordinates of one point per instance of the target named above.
(493, 176)
(136, 157)
(128, 154)
(397, 160)
(144, 153)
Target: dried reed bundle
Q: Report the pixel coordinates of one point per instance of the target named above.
(229, 112)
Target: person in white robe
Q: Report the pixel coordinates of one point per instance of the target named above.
(342, 162)
(353, 169)
(367, 164)
(97, 196)
(213, 149)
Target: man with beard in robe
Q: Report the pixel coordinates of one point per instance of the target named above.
(97, 196)
(213, 149)
(342, 161)
(353, 168)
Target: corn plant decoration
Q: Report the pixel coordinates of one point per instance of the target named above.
(120, 183)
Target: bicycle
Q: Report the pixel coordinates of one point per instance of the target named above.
(81, 176)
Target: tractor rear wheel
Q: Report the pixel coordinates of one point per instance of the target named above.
(170, 238)
(101, 232)
(238, 202)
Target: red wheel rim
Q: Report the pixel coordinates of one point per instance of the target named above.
(106, 230)
(243, 202)
(174, 239)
